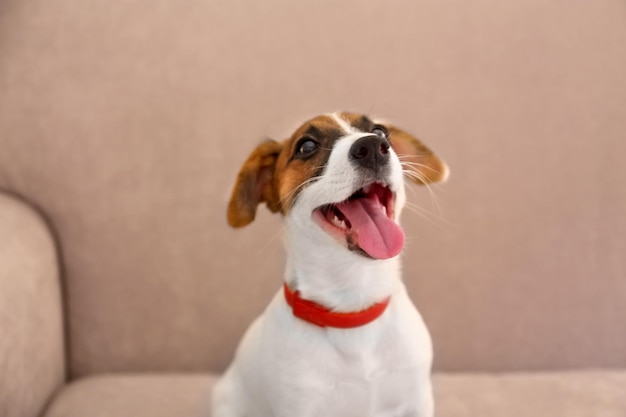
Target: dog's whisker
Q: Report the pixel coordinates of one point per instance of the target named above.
(415, 175)
(415, 207)
(417, 164)
(432, 218)
(300, 186)
(410, 173)
(272, 239)
(433, 197)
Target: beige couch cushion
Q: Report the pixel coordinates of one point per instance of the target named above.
(139, 395)
(32, 362)
(573, 394)
(557, 394)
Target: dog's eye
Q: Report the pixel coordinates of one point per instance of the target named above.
(306, 147)
(380, 131)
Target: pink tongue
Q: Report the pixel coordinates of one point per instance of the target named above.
(374, 232)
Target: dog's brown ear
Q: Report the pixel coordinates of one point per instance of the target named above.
(255, 185)
(419, 162)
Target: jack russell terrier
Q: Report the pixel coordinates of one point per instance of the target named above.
(341, 338)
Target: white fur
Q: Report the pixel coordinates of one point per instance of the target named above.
(285, 367)
(347, 127)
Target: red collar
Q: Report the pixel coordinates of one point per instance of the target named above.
(323, 317)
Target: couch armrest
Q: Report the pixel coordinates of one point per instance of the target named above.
(32, 363)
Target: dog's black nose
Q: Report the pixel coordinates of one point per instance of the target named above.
(370, 152)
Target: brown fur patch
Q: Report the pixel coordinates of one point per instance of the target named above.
(254, 185)
(292, 172)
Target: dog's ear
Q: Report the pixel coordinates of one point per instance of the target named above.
(255, 185)
(419, 162)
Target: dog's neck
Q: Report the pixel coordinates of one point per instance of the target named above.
(333, 276)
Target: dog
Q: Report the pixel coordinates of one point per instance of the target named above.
(341, 338)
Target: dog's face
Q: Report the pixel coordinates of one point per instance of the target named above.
(339, 178)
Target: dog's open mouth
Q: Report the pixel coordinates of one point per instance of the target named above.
(364, 221)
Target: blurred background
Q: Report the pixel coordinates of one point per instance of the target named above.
(124, 124)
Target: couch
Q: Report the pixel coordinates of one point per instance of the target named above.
(122, 125)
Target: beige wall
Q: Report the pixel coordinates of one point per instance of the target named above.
(126, 121)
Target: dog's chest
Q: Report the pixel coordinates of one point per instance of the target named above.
(371, 386)
(368, 371)
(340, 384)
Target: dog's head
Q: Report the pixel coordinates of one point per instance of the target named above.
(338, 178)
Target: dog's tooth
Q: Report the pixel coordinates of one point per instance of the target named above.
(335, 221)
(338, 223)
